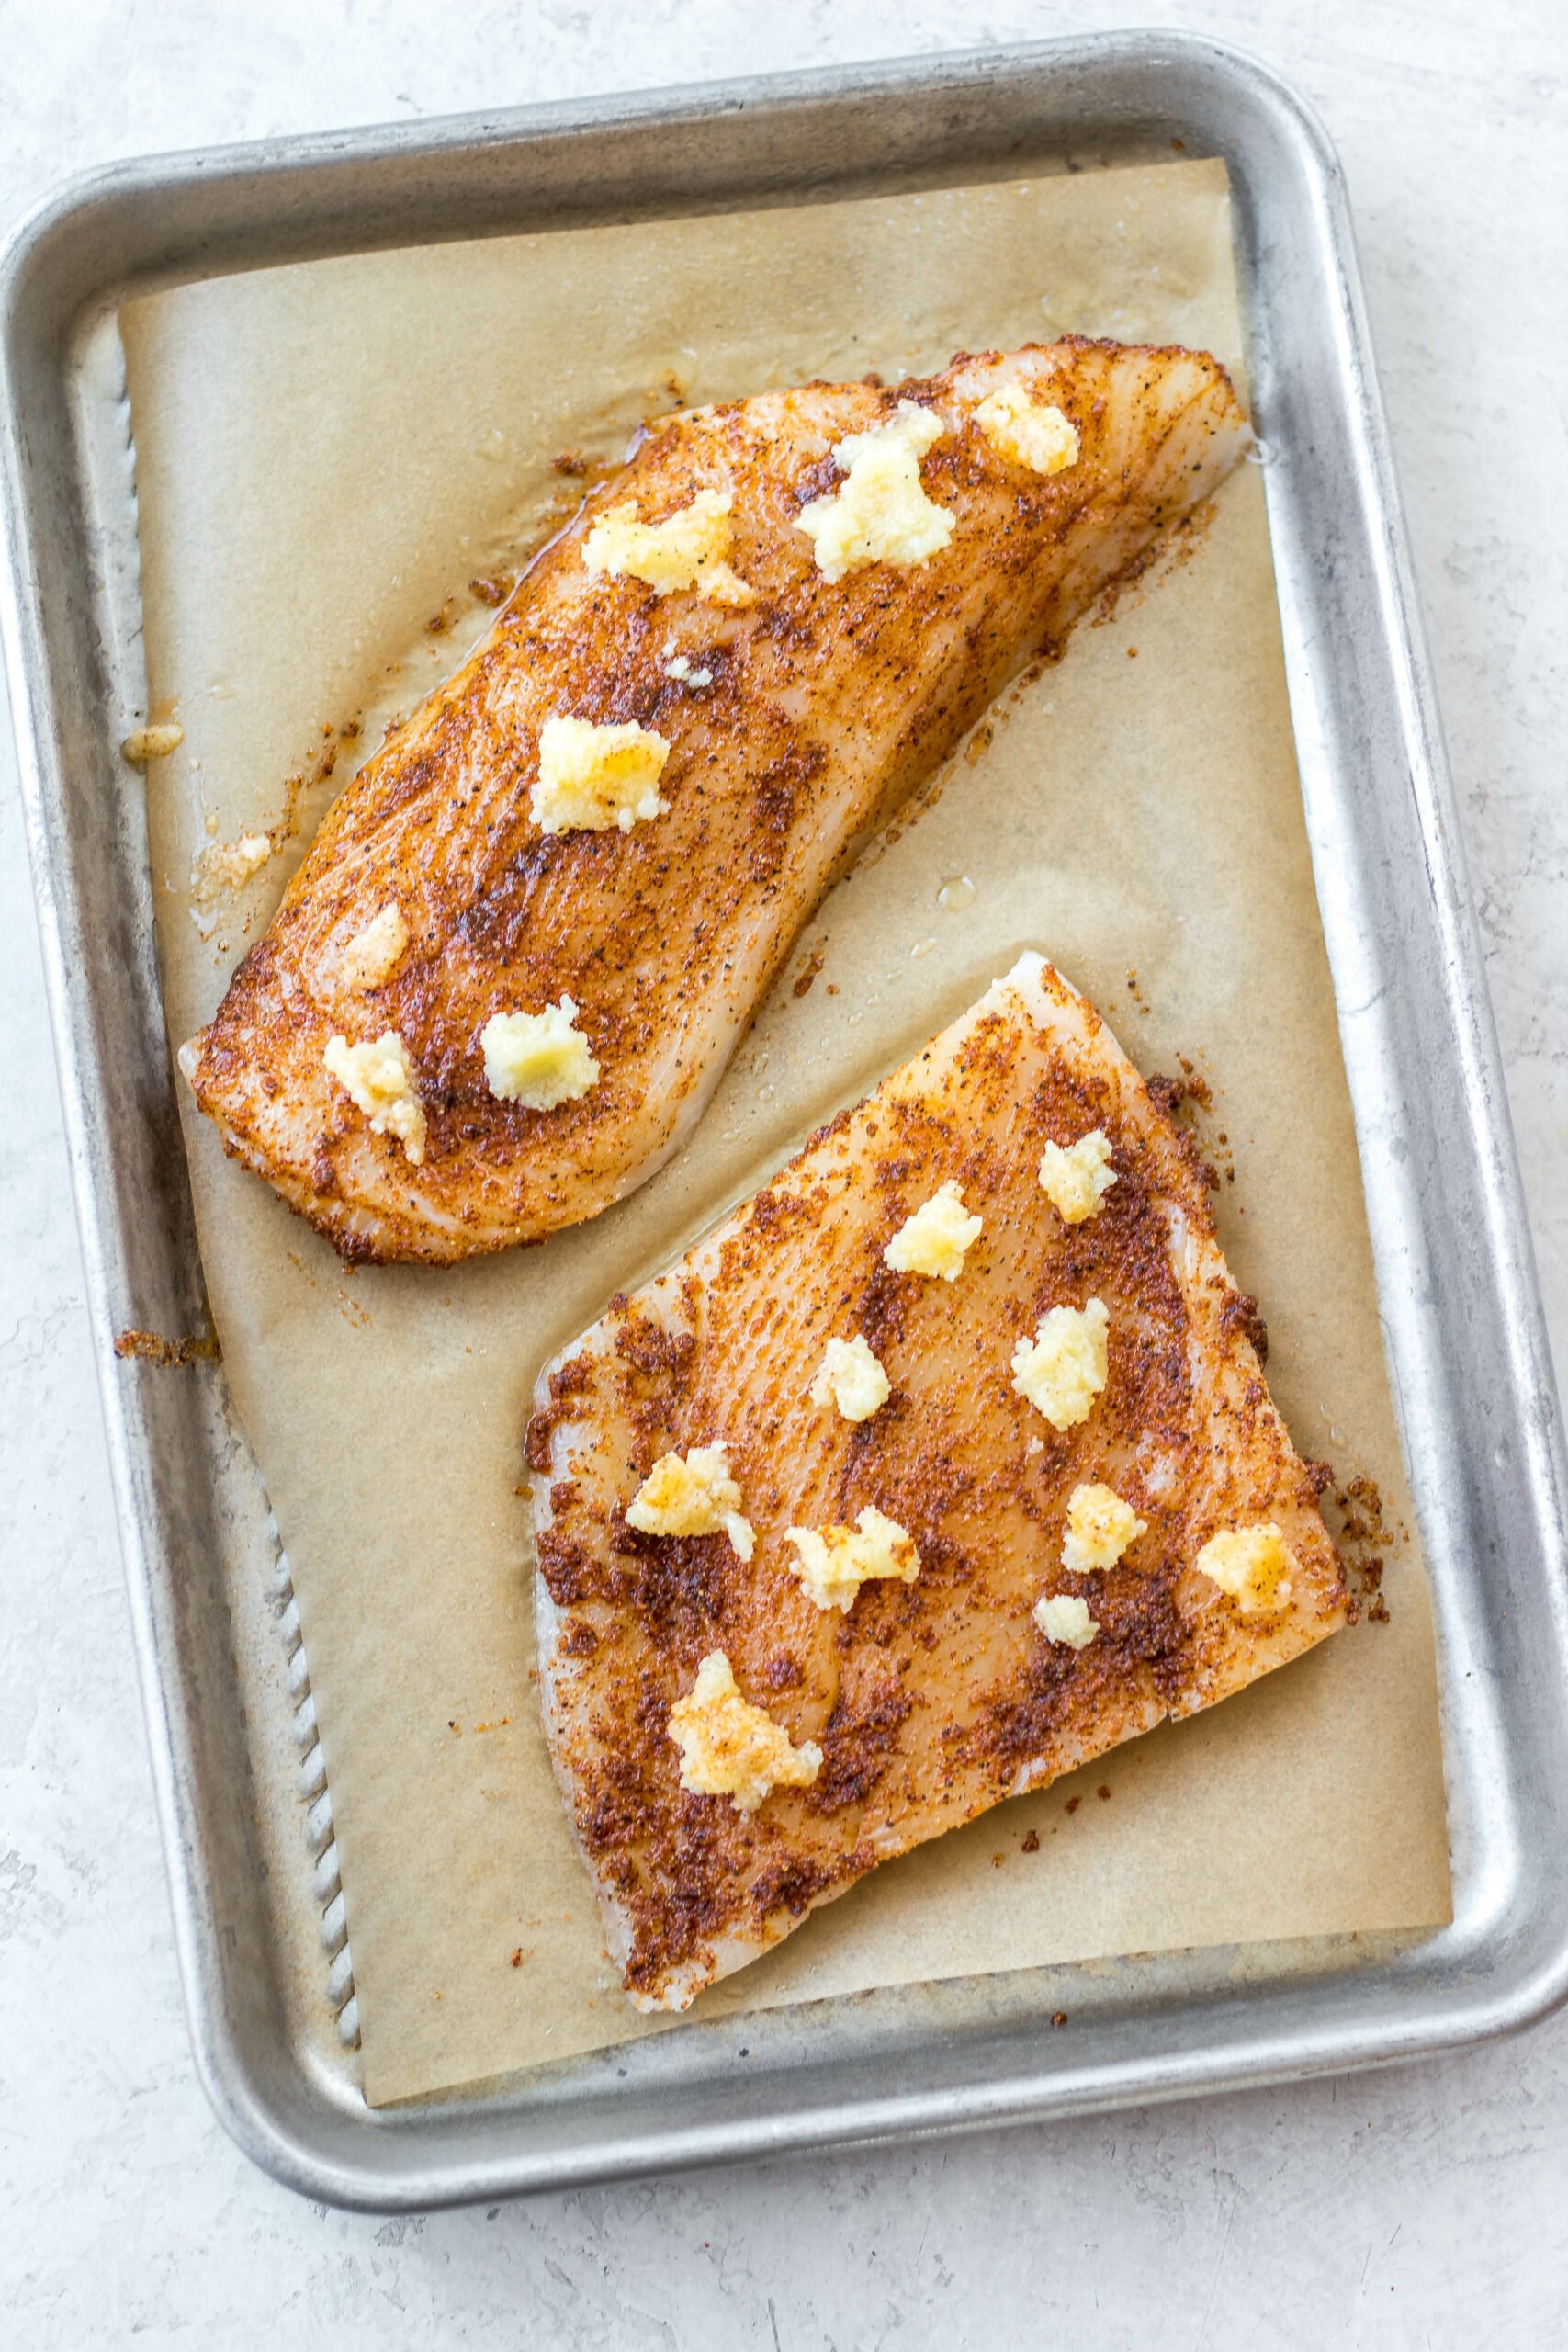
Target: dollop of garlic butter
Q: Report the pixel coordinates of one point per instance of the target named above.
(688, 549)
(835, 1562)
(730, 1748)
(378, 1077)
(1032, 432)
(1100, 1528)
(1063, 1369)
(692, 1495)
(935, 1239)
(228, 866)
(1064, 1618)
(1252, 1564)
(537, 1058)
(593, 777)
(881, 513)
(851, 1379)
(1075, 1179)
(155, 742)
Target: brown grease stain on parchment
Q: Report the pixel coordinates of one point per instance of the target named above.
(325, 456)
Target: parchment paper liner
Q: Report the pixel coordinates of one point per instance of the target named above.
(325, 455)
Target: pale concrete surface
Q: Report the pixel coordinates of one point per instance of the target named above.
(1419, 2209)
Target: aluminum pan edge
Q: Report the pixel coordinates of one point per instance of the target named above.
(1506, 1959)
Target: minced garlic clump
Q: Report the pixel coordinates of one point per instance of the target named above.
(851, 1378)
(537, 1058)
(231, 865)
(1064, 1618)
(692, 1496)
(373, 955)
(680, 667)
(1031, 433)
(881, 514)
(730, 1748)
(1063, 1369)
(935, 1239)
(1100, 1528)
(593, 777)
(155, 742)
(836, 1561)
(1252, 1564)
(687, 550)
(1076, 1179)
(380, 1079)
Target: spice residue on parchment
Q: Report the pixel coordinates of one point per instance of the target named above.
(1189, 1100)
(1365, 1535)
(152, 1347)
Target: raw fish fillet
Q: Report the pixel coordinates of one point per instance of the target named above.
(796, 722)
(931, 1698)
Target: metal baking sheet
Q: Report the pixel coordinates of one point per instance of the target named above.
(245, 1815)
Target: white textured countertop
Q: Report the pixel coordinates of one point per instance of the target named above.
(1419, 2208)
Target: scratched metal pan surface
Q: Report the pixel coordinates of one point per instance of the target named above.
(246, 1819)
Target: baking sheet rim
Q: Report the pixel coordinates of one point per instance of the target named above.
(1510, 1256)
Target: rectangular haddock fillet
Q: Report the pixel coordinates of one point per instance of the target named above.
(790, 608)
(1077, 1578)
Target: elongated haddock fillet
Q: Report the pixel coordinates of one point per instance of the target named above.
(985, 1499)
(504, 984)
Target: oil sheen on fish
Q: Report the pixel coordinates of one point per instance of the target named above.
(802, 688)
(1075, 1579)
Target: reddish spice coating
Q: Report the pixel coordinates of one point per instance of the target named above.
(828, 704)
(930, 1701)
